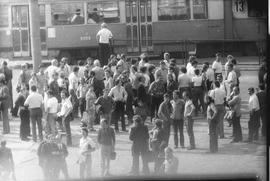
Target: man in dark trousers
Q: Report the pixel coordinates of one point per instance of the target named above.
(261, 94)
(139, 136)
(104, 37)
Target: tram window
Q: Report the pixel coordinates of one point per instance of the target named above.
(199, 9)
(67, 14)
(173, 10)
(42, 15)
(107, 12)
(3, 16)
(257, 8)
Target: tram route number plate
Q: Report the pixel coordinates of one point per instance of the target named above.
(85, 38)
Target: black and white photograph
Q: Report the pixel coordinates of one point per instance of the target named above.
(134, 89)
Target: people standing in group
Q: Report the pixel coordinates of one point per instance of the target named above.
(157, 89)
(4, 104)
(140, 145)
(86, 146)
(106, 140)
(104, 38)
(254, 116)
(235, 105)
(178, 107)
(90, 107)
(158, 143)
(217, 65)
(106, 104)
(8, 81)
(213, 124)
(51, 113)
(184, 81)
(119, 95)
(219, 97)
(35, 104)
(65, 114)
(164, 113)
(24, 114)
(261, 94)
(189, 120)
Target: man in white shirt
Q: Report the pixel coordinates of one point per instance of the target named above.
(51, 70)
(231, 78)
(35, 103)
(51, 110)
(191, 70)
(254, 112)
(219, 97)
(184, 81)
(217, 66)
(210, 76)
(119, 95)
(65, 114)
(74, 79)
(103, 37)
(198, 93)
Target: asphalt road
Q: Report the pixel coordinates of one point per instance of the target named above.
(233, 158)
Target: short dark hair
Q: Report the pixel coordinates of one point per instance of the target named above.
(151, 68)
(75, 69)
(187, 94)
(117, 81)
(194, 62)
(143, 69)
(92, 73)
(166, 95)
(184, 70)
(158, 123)
(234, 61)
(261, 86)
(230, 65)
(218, 54)
(50, 92)
(197, 71)
(33, 88)
(251, 89)
(217, 84)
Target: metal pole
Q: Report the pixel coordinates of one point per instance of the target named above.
(35, 34)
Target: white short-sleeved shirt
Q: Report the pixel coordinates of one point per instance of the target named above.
(253, 102)
(210, 74)
(218, 95)
(104, 35)
(191, 72)
(52, 104)
(73, 81)
(232, 78)
(84, 142)
(118, 94)
(217, 66)
(34, 100)
(197, 80)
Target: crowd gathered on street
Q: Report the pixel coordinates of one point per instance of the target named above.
(131, 92)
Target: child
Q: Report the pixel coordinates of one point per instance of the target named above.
(140, 109)
(90, 106)
(81, 93)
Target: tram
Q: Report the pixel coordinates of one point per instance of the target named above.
(152, 26)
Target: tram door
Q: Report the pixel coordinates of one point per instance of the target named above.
(20, 31)
(139, 25)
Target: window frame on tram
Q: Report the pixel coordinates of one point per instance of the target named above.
(4, 16)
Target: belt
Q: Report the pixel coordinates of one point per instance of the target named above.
(35, 108)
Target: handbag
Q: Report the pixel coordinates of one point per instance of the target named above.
(113, 155)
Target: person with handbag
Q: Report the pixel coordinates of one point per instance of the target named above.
(213, 123)
(106, 139)
(87, 146)
(139, 136)
(235, 105)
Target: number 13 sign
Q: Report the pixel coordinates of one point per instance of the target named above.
(240, 8)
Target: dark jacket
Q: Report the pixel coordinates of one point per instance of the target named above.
(139, 135)
(106, 136)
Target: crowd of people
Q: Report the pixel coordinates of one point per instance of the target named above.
(131, 92)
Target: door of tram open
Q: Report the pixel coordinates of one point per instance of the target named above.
(139, 25)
